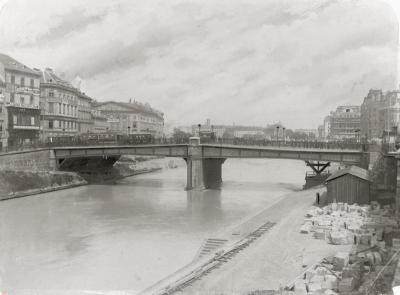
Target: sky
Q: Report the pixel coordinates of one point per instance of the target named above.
(249, 62)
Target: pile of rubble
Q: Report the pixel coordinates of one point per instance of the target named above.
(374, 232)
(348, 273)
(340, 224)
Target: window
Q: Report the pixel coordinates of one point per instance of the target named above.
(51, 94)
(51, 108)
(32, 101)
(12, 79)
(22, 100)
(32, 121)
(32, 83)
(22, 81)
(15, 119)
(51, 126)
(12, 97)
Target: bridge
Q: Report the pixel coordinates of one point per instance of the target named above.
(204, 161)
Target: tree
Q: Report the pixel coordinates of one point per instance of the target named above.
(180, 136)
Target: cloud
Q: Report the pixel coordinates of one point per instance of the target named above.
(249, 62)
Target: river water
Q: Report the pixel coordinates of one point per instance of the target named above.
(129, 235)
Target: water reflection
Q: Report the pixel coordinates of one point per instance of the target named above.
(129, 235)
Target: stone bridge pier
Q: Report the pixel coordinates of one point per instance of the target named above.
(202, 173)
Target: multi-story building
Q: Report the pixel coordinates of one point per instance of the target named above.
(100, 123)
(327, 127)
(59, 106)
(345, 123)
(132, 118)
(389, 112)
(20, 107)
(84, 120)
(321, 134)
(370, 115)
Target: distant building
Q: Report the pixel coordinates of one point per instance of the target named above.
(59, 106)
(20, 113)
(229, 131)
(389, 113)
(100, 122)
(371, 125)
(312, 133)
(131, 118)
(345, 122)
(327, 127)
(321, 134)
(84, 120)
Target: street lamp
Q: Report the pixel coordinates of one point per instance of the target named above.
(199, 125)
(284, 139)
(277, 133)
(129, 130)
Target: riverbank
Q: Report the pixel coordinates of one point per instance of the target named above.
(277, 255)
(17, 184)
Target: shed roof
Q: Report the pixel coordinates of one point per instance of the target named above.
(353, 170)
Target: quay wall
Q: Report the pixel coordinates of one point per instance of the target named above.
(35, 160)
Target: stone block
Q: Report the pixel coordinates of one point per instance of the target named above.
(346, 285)
(340, 260)
(396, 244)
(319, 234)
(331, 282)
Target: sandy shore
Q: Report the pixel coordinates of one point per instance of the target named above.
(277, 257)
(272, 261)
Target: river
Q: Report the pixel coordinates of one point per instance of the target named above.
(129, 235)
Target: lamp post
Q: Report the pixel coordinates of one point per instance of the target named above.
(277, 133)
(284, 138)
(129, 130)
(199, 126)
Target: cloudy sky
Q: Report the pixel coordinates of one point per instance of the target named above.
(249, 62)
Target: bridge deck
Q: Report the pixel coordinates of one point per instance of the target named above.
(214, 151)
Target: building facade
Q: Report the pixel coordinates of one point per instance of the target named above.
(58, 105)
(84, 119)
(371, 125)
(132, 118)
(345, 123)
(389, 113)
(20, 119)
(327, 127)
(100, 122)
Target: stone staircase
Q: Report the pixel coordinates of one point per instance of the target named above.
(209, 246)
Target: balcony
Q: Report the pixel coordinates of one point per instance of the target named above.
(27, 90)
(23, 106)
(25, 127)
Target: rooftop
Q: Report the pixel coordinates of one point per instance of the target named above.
(13, 65)
(353, 170)
(135, 107)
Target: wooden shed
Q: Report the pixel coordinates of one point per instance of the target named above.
(350, 185)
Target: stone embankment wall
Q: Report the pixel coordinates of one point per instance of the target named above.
(383, 170)
(36, 160)
(15, 184)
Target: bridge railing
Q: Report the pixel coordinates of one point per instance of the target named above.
(338, 145)
(296, 144)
